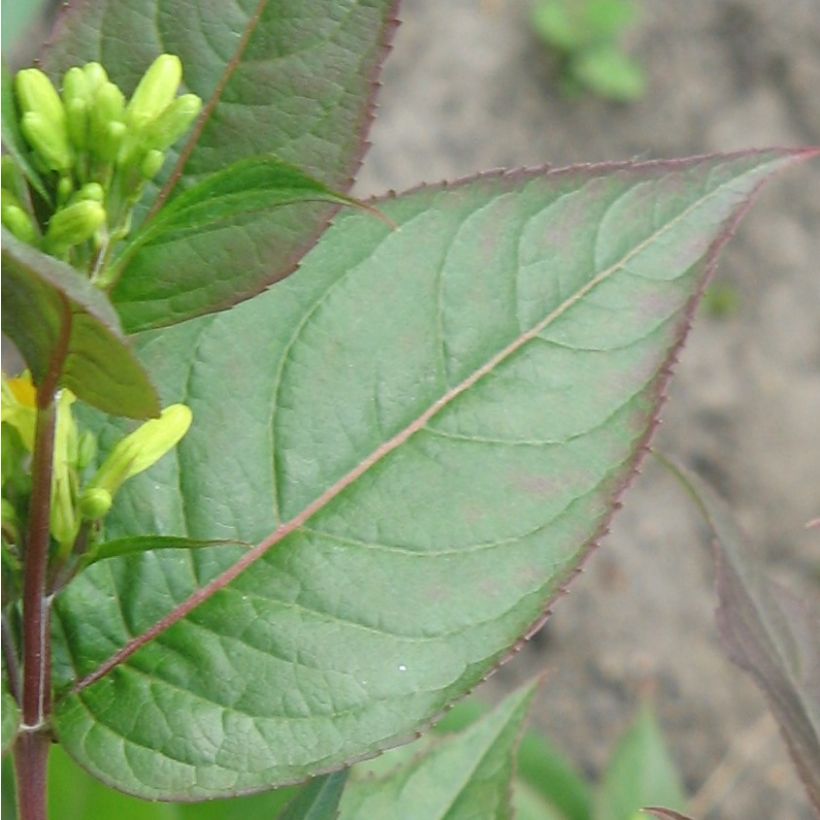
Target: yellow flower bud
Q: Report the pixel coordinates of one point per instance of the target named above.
(16, 218)
(77, 122)
(64, 521)
(142, 448)
(155, 91)
(19, 407)
(95, 503)
(112, 141)
(74, 224)
(37, 94)
(152, 163)
(96, 75)
(49, 139)
(108, 106)
(91, 190)
(173, 122)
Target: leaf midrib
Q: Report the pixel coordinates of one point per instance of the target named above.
(284, 530)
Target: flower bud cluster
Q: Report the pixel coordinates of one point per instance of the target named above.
(95, 150)
(78, 503)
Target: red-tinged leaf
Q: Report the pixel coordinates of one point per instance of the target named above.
(424, 432)
(769, 632)
(296, 78)
(69, 334)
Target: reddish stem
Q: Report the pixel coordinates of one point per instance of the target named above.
(31, 748)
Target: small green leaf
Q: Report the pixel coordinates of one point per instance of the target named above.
(608, 72)
(640, 773)
(542, 771)
(67, 331)
(10, 714)
(149, 543)
(462, 776)
(161, 275)
(604, 20)
(319, 800)
(554, 22)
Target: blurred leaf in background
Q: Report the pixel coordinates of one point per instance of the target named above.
(585, 35)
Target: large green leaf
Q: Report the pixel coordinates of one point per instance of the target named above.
(458, 777)
(293, 77)
(641, 773)
(425, 431)
(69, 334)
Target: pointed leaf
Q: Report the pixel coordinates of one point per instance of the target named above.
(319, 800)
(769, 632)
(424, 431)
(68, 333)
(149, 543)
(455, 777)
(542, 771)
(162, 269)
(640, 773)
(294, 78)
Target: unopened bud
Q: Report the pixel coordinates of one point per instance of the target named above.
(86, 449)
(19, 223)
(143, 448)
(76, 111)
(13, 179)
(65, 187)
(95, 75)
(49, 139)
(91, 190)
(154, 160)
(75, 224)
(173, 122)
(36, 93)
(155, 91)
(95, 503)
(108, 106)
(112, 141)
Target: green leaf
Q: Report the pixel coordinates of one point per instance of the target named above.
(455, 777)
(319, 800)
(67, 331)
(293, 78)
(529, 804)
(161, 271)
(424, 431)
(543, 773)
(769, 631)
(640, 773)
(607, 71)
(557, 26)
(148, 543)
(604, 20)
(13, 140)
(10, 715)
(75, 795)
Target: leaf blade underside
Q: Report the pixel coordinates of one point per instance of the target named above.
(295, 79)
(69, 334)
(432, 426)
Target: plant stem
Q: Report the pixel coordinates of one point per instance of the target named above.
(31, 748)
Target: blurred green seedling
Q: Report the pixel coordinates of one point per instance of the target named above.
(585, 36)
